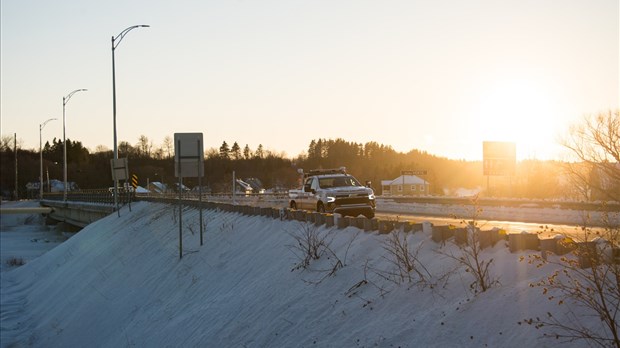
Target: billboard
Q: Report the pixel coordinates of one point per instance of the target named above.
(499, 158)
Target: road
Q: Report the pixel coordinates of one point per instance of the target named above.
(438, 216)
(545, 230)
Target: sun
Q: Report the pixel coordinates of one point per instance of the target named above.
(520, 111)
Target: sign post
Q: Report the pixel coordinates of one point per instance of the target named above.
(189, 162)
(120, 171)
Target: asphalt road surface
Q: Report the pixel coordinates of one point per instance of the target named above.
(545, 230)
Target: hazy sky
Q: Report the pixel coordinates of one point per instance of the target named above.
(438, 76)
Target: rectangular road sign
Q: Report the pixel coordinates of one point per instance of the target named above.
(120, 171)
(188, 155)
(499, 158)
(413, 172)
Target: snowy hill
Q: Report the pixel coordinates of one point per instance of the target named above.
(119, 283)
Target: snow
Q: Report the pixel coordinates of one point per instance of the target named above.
(141, 189)
(25, 236)
(120, 282)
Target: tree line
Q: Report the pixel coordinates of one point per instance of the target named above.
(371, 161)
(368, 161)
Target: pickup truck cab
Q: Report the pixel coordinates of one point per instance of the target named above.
(333, 191)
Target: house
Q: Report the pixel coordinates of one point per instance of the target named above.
(405, 185)
(157, 187)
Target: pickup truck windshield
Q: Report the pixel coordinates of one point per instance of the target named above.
(338, 181)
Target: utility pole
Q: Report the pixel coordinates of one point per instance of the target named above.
(15, 148)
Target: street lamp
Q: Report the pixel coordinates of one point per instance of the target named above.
(41, 126)
(115, 42)
(65, 100)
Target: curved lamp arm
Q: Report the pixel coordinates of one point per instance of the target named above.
(117, 40)
(42, 125)
(65, 100)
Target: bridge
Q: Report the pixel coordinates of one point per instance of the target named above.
(85, 206)
(274, 206)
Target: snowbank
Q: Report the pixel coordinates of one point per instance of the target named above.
(120, 282)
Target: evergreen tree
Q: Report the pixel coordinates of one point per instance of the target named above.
(224, 151)
(260, 152)
(235, 150)
(247, 153)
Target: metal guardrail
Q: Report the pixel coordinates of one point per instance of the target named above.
(509, 202)
(104, 196)
(256, 199)
(28, 210)
(101, 196)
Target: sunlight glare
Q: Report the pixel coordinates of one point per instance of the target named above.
(519, 111)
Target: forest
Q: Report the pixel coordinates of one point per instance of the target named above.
(370, 161)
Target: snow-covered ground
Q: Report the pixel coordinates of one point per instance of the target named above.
(120, 283)
(25, 237)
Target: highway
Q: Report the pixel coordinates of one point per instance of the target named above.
(512, 216)
(440, 213)
(545, 230)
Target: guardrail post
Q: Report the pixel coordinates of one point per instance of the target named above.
(417, 227)
(369, 224)
(441, 233)
(385, 226)
(341, 221)
(319, 219)
(460, 235)
(523, 241)
(329, 220)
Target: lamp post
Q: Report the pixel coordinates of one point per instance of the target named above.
(41, 126)
(115, 42)
(65, 100)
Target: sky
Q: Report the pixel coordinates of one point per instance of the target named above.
(120, 282)
(437, 76)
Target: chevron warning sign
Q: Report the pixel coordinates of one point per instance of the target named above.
(134, 180)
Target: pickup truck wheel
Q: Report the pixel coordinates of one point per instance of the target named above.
(293, 205)
(320, 207)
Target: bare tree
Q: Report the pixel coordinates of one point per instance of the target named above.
(143, 146)
(586, 286)
(404, 261)
(101, 149)
(125, 149)
(586, 283)
(7, 143)
(470, 254)
(158, 153)
(167, 146)
(596, 145)
(312, 244)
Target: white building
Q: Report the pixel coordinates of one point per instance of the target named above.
(405, 185)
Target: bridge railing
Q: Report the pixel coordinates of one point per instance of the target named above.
(105, 196)
(101, 196)
(255, 199)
